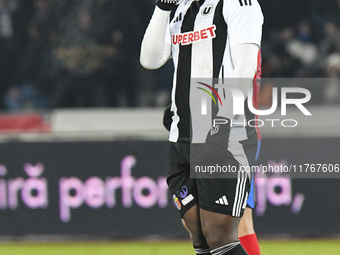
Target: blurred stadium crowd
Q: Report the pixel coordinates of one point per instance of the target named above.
(85, 53)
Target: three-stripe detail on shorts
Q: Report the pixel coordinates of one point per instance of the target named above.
(242, 178)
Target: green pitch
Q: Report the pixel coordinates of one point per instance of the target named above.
(310, 247)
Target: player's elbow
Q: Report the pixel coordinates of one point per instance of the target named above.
(245, 68)
(147, 63)
(152, 61)
(245, 58)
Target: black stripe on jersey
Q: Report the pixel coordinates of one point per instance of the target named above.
(219, 45)
(173, 12)
(245, 2)
(184, 72)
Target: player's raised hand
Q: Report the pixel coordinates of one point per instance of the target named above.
(167, 5)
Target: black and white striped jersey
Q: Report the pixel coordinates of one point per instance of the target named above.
(201, 34)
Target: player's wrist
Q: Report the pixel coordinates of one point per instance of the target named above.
(166, 5)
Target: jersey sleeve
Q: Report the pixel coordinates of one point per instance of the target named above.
(167, 38)
(244, 19)
(156, 44)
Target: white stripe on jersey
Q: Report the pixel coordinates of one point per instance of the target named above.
(202, 54)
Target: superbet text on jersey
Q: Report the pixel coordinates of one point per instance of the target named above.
(201, 34)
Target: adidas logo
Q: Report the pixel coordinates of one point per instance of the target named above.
(169, 1)
(178, 18)
(222, 201)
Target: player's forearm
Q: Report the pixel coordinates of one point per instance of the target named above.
(155, 52)
(244, 58)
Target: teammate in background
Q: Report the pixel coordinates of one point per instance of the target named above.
(207, 39)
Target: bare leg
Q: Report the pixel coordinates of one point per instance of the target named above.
(219, 229)
(246, 224)
(246, 233)
(192, 223)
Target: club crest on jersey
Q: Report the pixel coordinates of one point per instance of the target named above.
(194, 36)
(207, 10)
